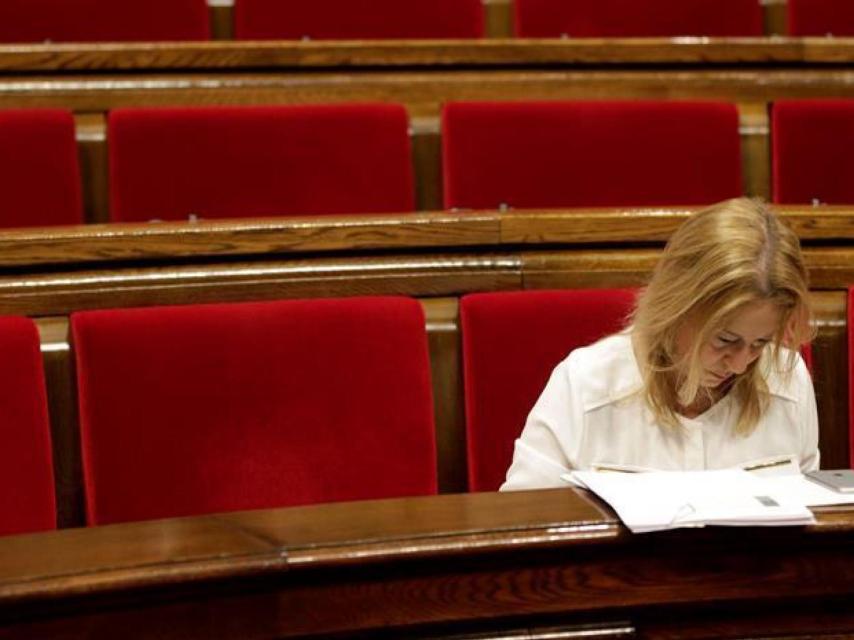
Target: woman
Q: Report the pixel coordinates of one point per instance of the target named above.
(706, 376)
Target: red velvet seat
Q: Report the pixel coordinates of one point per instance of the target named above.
(511, 343)
(632, 18)
(811, 159)
(199, 409)
(357, 19)
(569, 154)
(39, 173)
(820, 17)
(27, 501)
(103, 20)
(219, 162)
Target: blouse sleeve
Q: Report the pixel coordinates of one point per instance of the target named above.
(538, 457)
(808, 418)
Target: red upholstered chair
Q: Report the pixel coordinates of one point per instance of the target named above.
(103, 20)
(357, 19)
(39, 174)
(217, 162)
(27, 501)
(511, 343)
(811, 159)
(198, 409)
(567, 154)
(821, 17)
(631, 18)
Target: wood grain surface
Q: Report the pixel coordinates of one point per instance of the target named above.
(409, 566)
(493, 52)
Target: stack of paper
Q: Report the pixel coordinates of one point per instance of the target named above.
(659, 500)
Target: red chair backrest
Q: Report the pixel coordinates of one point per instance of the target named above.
(820, 17)
(103, 20)
(572, 154)
(511, 343)
(811, 159)
(217, 162)
(199, 409)
(39, 172)
(357, 19)
(27, 500)
(631, 18)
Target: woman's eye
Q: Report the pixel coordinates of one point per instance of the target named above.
(725, 341)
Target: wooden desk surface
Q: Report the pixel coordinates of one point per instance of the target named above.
(507, 53)
(159, 241)
(434, 565)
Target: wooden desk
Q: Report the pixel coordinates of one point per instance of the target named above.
(445, 566)
(286, 55)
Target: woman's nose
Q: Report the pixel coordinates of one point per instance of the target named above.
(739, 358)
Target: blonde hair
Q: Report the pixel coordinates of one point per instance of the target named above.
(722, 258)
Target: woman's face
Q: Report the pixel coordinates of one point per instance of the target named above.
(731, 349)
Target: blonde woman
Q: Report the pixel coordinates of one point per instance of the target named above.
(707, 375)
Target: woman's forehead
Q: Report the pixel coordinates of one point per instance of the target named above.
(754, 319)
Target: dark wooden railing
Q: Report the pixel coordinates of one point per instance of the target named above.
(456, 566)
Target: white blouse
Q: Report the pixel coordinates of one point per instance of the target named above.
(592, 413)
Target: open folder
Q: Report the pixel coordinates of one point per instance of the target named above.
(766, 491)
(657, 500)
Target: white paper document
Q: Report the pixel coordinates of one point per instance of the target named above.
(658, 500)
(812, 494)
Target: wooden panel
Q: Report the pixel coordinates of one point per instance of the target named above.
(586, 269)
(791, 620)
(422, 92)
(92, 145)
(499, 18)
(755, 149)
(427, 159)
(425, 275)
(77, 561)
(776, 20)
(443, 332)
(86, 244)
(610, 631)
(170, 241)
(64, 425)
(222, 20)
(495, 51)
(436, 275)
(829, 268)
(830, 377)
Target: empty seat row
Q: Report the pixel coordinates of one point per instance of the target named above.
(106, 20)
(208, 408)
(228, 162)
